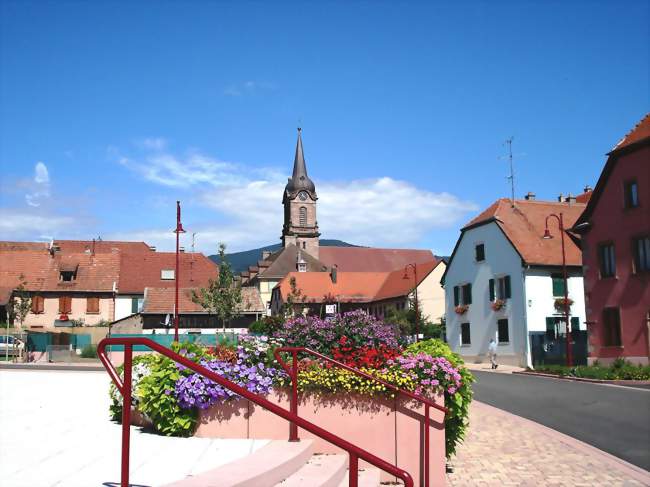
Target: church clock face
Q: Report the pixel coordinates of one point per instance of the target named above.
(302, 195)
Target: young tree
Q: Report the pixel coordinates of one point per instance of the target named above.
(20, 303)
(223, 296)
(295, 300)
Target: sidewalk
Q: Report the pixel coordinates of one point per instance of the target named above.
(507, 450)
(501, 369)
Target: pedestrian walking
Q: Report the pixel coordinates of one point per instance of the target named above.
(492, 352)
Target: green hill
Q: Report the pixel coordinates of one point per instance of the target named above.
(241, 260)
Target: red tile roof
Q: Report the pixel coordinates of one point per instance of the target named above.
(101, 246)
(20, 246)
(639, 132)
(354, 287)
(364, 259)
(524, 226)
(161, 301)
(141, 270)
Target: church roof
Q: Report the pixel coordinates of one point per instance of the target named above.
(284, 261)
(299, 181)
(365, 259)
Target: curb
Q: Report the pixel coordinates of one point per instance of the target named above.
(48, 366)
(627, 468)
(584, 379)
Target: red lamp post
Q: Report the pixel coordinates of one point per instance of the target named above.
(415, 279)
(178, 231)
(547, 235)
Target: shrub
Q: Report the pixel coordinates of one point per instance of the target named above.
(620, 369)
(89, 351)
(266, 326)
(458, 396)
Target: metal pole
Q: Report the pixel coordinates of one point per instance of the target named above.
(426, 445)
(126, 414)
(353, 480)
(569, 358)
(178, 224)
(417, 314)
(293, 427)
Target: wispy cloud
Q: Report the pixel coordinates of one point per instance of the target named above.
(246, 202)
(39, 188)
(17, 224)
(248, 88)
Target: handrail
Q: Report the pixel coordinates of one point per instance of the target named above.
(293, 374)
(124, 387)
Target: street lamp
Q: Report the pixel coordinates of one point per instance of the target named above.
(547, 235)
(415, 279)
(177, 231)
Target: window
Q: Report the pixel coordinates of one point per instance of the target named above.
(558, 285)
(66, 276)
(503, 335)
(641, 254)
(467, 294)
(631, 190)
(465, 338)
(503, 288)
(136, 305)
(167, 274)
(480, 252)
(303, 216)
(456, 295)
(302, 266)
(607, 260)
(92, 305)
(38, 303)
(611, 327)
(65, 304)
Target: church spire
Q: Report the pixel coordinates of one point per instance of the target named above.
(299, 181)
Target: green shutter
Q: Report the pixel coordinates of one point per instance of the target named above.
(469, 294)
(558, 286)
(508, 289)
(134, 305)
(491, 289)
(575, 323)
(456, 295)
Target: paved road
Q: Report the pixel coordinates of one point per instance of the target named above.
(613, 419)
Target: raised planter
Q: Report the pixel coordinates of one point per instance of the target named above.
(392, 429)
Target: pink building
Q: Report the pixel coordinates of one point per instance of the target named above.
(615, 230)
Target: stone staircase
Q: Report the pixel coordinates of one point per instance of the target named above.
(283, 464)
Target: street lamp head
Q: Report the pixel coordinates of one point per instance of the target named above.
(179, 229)
(547, 234)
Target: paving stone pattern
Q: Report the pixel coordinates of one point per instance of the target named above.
(502, 449)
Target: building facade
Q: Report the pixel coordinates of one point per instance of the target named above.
(615, 240)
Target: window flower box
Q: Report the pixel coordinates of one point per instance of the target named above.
(461, 309)
(559, 303)
(498, 304)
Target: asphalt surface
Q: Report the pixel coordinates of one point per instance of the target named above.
(613, 419)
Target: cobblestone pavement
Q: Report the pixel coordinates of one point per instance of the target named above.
(502, 449)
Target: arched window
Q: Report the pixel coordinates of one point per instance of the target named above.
(303, 216)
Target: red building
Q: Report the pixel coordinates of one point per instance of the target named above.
(615, 231)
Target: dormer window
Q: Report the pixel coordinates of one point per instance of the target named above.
(66, 276)
(302, 266)
(167, 274)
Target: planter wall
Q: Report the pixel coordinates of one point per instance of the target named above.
(392, 429)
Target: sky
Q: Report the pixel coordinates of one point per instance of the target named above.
(112, 111)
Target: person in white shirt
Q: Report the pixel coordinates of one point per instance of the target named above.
(492, 352)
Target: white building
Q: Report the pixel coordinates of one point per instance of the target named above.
(504, 282)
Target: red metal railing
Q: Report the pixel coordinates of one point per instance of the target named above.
(124, 387)
(293, 374)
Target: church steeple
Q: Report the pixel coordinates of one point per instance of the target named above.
(299, 181)
(299, 199)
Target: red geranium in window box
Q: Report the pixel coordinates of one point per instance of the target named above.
(559, 303)
(461, 309)
(498, 304)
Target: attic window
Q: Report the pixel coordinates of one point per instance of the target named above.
(480, 252)
(167, 274)
(67, 276)
(302, 266)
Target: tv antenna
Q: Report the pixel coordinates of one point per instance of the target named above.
(512, 171)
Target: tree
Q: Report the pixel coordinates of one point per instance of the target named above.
(223, 296)
(20, 303)
(295, 300)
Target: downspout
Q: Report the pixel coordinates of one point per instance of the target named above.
(527, 360)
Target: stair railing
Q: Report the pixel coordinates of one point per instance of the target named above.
(124, 387)
(292, 371)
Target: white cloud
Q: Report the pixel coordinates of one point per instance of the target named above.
(153, 143)
(20, 224)
(39, 187)
(248, 211)
(248, 88)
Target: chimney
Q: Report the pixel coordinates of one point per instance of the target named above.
(530, 196)
(560, 198)
(570, 199)
(588, 189)
(152, 248)
(266, 254)
(181, 249)
(334, 273)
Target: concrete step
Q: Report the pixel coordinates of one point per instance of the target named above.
(319, 471)
(368, 477)
(267, 466)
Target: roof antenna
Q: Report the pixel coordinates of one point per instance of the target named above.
(512, 171)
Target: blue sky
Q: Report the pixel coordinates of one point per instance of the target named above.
(111, 111)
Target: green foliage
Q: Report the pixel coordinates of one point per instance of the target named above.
(223, 296)
(89, 351)
(619, 370)
(457, 420)
(19, 304)
(295, 301)
(77, 322)
(266, 326)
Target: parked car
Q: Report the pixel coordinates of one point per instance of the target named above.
(10, 345)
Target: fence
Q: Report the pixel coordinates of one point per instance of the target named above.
(209, 340)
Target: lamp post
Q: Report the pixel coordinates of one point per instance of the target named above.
(415, 279)
(178, 231)
(547, 235)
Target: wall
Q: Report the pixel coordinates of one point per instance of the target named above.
(266, 289)
(540, 300)
(123, 305)
(500, 259)
(431, 295)
(628, 291)
(51, 310)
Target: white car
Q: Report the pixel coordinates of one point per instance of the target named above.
(11, 346)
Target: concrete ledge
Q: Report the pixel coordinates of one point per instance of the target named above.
(618, 382)
(53, 366)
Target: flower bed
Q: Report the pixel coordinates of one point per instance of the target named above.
(619, 370)
(171, 396)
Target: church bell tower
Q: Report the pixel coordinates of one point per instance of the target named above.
(300, 225)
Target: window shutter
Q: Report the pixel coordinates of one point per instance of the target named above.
(575, 323)
(61, 304)
(65, 304)
(508, 289)
(469, 294)
(92, 305)
(35, 305)
(456, 295)
(491, 289)
(134, 305)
